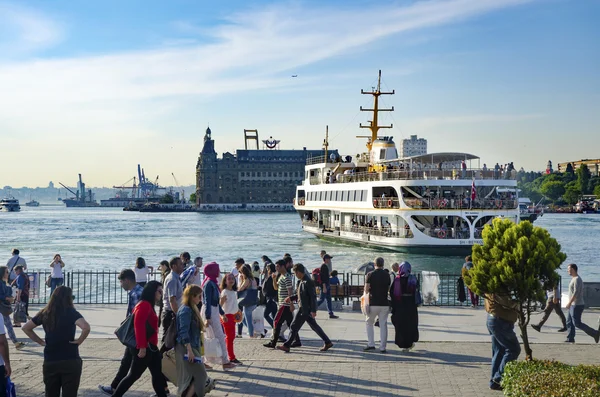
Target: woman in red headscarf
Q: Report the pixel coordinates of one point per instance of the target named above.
(212, 310)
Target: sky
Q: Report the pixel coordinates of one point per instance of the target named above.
(97, 87)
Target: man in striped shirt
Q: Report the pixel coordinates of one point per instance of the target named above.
(284, 286)
(134, 292)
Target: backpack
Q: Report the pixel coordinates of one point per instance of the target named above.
(316, 274)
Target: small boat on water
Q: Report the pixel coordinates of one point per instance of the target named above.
(32, 203)
(10, 204)
(529, 211)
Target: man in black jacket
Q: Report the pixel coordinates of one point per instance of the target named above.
(326, 285)
(306, 297)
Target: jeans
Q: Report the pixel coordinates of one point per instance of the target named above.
(271, 312)
(123, 368)
(326, 296)
(9, 329)
(62, 375)
(380, 312)
(299, 319)
(55, 282)
(574, 320)
(248, 319)
(505, 346)
(152, 361)
(550, 307)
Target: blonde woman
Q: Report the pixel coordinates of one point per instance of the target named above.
(191, 375)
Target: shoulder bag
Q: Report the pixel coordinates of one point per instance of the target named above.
(126, 334)
(248, 297)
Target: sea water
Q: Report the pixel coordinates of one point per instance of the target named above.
(111, 239)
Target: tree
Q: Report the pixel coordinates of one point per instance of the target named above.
(193, 198)
(597, 191)
(572, 193)
(553, 190)
(583, 178)
(569, 169)
(167, 199)
(519, 260)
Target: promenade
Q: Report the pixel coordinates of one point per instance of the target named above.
(452, 359)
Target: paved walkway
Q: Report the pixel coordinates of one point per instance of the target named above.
(443, 364)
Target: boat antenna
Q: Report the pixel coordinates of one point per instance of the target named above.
(326, 142)
(374, 124)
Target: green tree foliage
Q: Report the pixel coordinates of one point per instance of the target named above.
(572, 193)
(597, 191)
(553, 189)
(193, 198)
(583, 178)
(518, 259)
(167, 199)
(594, 181)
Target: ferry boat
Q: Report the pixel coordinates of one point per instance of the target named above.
(9, 204)
(437, 202)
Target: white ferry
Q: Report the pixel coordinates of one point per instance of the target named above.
(9, 204)
(434, 202)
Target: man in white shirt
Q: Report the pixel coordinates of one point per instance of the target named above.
(5, 370)
(15, 260)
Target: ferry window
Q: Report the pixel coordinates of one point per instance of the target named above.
(363, 195)
(320, 196)
(347, 195)
(382, 154)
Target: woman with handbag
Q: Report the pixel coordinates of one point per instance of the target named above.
(212, 310)
(145, 354)
(56, 278)
(405, 316)
(62, 364)
(6, 301)
(191, 375)
(247, 297)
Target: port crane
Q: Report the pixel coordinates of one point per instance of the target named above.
(179, 187)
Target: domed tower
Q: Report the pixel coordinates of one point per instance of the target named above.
(206, 171)
(549, 169)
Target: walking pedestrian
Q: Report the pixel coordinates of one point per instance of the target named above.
(128, 280)
(377, 285)
(405, 315)
(6, 301)
(56, 277)
(501, 326)
(326, 285)
(192, 275)
(5, 370)
(142, 271)
(212, 310)
(186, 259)
(22, 293)
(146, 354)
(270, 293)
(307, 310)
(285, 314)
(62, 363)
(468, 265)
(229, 304)
(575, 306)
(14, 261)
(191, 375)
(552, 304)
(173, 292)
(247, 282)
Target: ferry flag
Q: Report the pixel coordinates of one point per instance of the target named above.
(473, 191)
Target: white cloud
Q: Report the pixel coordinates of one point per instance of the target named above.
(23, 31)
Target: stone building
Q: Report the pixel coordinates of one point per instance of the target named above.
(249, 176)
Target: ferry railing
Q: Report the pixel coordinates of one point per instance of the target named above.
(386, 231)
(420, 174)
(103, 287)
(386, 202)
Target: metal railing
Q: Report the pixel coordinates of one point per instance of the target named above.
(103, 287)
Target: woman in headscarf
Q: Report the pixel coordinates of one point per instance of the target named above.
(212, 310)
(404, 308)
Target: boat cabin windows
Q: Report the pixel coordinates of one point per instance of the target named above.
(443, 227)
(458, 197)
(335, 195)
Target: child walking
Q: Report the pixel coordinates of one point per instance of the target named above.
(230, 307)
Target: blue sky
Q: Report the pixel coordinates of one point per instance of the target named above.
(96, 87)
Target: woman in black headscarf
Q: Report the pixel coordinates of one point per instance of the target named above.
(404, 308)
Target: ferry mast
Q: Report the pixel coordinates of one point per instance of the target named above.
(374, 124)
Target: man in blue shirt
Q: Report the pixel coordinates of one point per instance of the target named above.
(134, 293)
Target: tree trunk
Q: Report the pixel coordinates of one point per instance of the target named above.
(523, 322)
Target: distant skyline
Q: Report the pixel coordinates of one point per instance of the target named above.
(97, 87)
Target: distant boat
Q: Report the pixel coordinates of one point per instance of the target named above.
(10, 204)
(32, 203)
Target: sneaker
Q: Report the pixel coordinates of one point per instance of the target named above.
(210, 385)
(383, 351)
(495, 385)
(296, 344)
(236, 361)
(228, 366)
(569, 341)
(238, 336)
(270, 345)
(563, 329)
(536, 327)
(19, 345)
(326, 347)
(366, 349)
(106, 390)
(283, 348)
(333, 316)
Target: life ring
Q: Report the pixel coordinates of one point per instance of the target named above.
(375, 203)
(442, 204)
(390, 203)
(301, 201)
(441, 234)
